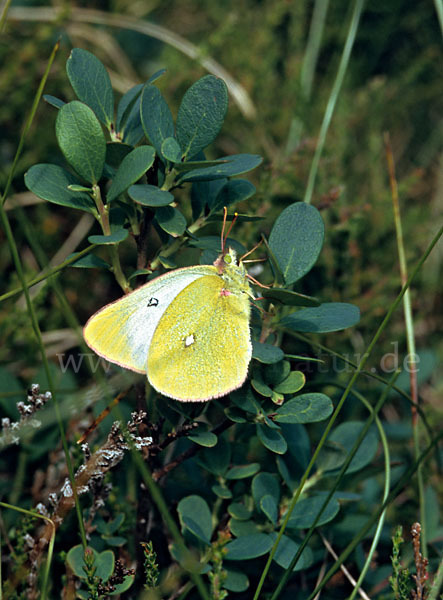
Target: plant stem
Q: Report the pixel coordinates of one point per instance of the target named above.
(113, 250)
(410, 339)
(387, 485)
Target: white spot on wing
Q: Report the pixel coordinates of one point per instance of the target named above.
(189, 340)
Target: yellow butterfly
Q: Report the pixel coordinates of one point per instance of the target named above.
(188, 330)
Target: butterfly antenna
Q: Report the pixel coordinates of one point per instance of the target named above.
(254, 260)
(251, 251)
(255, 282)
(259, 308)
(101, 416)
(225, 237)
(225, 214)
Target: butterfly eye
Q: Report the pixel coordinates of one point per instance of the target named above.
(228, 259)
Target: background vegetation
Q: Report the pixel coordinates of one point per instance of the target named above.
(280, 59)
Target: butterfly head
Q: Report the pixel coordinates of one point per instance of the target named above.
(233, 273)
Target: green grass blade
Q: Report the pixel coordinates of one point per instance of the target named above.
(310, 59)
(439, 11)
(387, 461)
(333, 97)
(410, 338)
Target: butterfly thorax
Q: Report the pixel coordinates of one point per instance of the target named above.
(233, 274)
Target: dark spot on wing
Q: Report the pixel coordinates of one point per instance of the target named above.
(152, 302)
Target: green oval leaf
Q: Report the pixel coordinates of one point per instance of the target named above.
(261, 388)
(76, 561)
(306, 511)
(90, 261)
(204, 438)
(133, 166)
(244, 399)
(235, 164)
(115, 238)
(150, 195)
(122, 587)
(236, 190)
(115, 540)
(156, 75)
(195, 515)
(116, 152)
(191, 165)
(243, 471)
(266, 353)
(51, 182)
(201, 114)
(289, 298)
(265, 484)
(299, 444)
(277, 372)
(81, 140)
(239, 511)
(293, 383)
(242, 528)
(340, 443)
(212, 242)
(235, 581)
(216, 460)
(110, 527)
(53, 101)
(171, 150)
(307, 408)
(222, 491)
(248, 546)
(286, 551)
(91, 83)
(331, 316)
(269, 507)
(171, 220)
(156, 117)
(204, 192)
(271, 439)
(104, 561)
(234, 414)
(296, 240)
(128, 122)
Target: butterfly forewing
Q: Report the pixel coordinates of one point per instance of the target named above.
(122, 331)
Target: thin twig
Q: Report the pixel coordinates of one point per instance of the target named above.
(347, 574)
(410, 339)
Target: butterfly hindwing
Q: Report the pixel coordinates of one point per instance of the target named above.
(201, 347)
